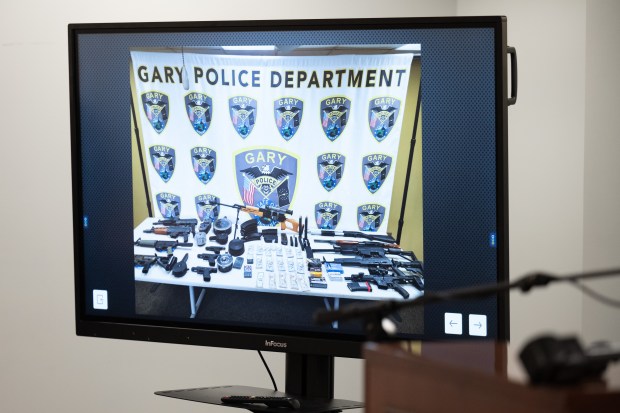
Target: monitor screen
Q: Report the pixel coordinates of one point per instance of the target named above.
(233, 178)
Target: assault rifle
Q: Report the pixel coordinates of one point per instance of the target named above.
(342, 242)
(385, 282)
(160, 246)
(355, 234)
(382, 266)
(179, 222)
(171, 231)
(148, 261)
(267, 213)
(368, 251)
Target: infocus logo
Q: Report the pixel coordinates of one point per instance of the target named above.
(274, 344)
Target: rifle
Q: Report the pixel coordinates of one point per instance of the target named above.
(355, 234)
(160, 246)
(172, 231)
(385, 282)
(147, 261)
(179, 222)
(381, 266)
(267, 213)
(342, 242)
(370, 251)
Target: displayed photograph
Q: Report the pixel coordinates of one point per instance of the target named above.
(285, 177)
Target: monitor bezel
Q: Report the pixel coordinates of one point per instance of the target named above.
(303, 343)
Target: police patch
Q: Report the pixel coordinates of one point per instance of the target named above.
(243, 114)
(288, 112)
(327, 214)
(169, 205)
(370, 217)
(334, 116)
(164, 159)
(330, 168)
(199, 108)
(375, 168)
(204, 209)
(266, 177)
(204, 162)
(156, 109)
(382, 114)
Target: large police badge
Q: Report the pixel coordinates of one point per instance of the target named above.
(204, 208)
(199, 108)
(375, 168)
(327, 214)
(330, 167)
(288, 113)
(382, 114)
(370, 217)
(266, 177)
(204, 161)
(169, 205)
(243, 114)
(164, 159)
(334, 116)
(156, 108)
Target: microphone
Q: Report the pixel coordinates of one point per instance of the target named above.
(373, 313)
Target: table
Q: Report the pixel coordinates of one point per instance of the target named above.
(292, 282)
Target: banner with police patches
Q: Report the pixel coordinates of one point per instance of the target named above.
(205, 209)
(210, 140)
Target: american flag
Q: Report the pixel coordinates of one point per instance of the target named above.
(366, 173)
(248, 191)
(361, 222)
(373, 120)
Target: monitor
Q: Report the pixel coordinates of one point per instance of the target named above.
(230, 179)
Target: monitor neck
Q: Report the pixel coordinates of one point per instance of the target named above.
(310, 376)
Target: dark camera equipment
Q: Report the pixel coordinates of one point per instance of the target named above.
(224, 262)
(222, 227)
(562, 361)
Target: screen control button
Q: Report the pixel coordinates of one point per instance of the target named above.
(453, 323)
(100, 299)
(477, 325)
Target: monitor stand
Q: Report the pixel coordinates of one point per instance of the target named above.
(309, 378)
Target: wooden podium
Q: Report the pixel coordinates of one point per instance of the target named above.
(460, 377)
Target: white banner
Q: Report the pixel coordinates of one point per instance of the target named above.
(315, 134)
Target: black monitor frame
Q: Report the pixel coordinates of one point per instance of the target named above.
(298, 344)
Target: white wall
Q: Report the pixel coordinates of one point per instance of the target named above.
(563, 204)
(43, 365)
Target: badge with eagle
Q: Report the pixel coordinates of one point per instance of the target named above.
(382, 114)
(204, 208)
(243, 114)
(199, 111)
(266, 177)
(370, 217)
(334, 116)
(163, 159)
(204, 162)
(156, 108)
(327, 214)
(288, 113)
(169, 205)
(375, 169)
(330, 168)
